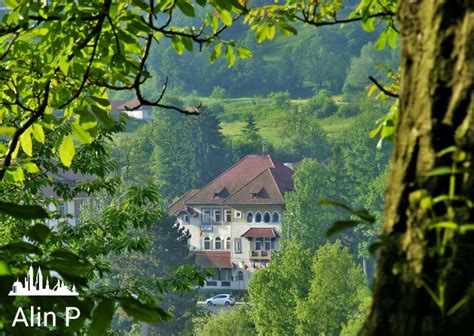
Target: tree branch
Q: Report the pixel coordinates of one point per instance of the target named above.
(339, 21)
(381, 88)
(16, 136)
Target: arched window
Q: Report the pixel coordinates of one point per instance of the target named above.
(258, 217)
(218, 243)
(227, 243)
(240, 276)
(266, 217)
(207, 243)
(276, 217)
(249, 217)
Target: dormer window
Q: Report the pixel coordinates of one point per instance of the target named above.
(258, 193)
(220, 193)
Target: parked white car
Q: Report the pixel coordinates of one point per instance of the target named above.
(221, 299)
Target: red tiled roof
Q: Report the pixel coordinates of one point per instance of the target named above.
(264, 189)
(260, 232)
(213, 259)
(253, 172)
(179, 205)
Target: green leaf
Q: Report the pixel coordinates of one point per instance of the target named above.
(444, 170)
(39, 233)
(102, 101)
(142, 311)
(226, 17)
(31, 167)
(64, 64)
(286, 29)
(216, 52)
(364, 215)
(21, 247)
(101, 317)
(6, 130)
(23, 211)
(327, 201)
(81, 134)
(214, 23)
(26, 143)
(229, 54)
(340, 226)
(244, 53)
(185, 7)
(445, 225)
(38, 133)
(67, 150)
(178, 44)
(466, 227)
(4, 268)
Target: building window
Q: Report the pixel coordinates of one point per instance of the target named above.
(227, 243)
(186, 218)
(240, 276)
(224, 274)
(258, 217)
(249, 217)
(77, 208)
(218, 243)
(206, 216)
(258, 244)
(268, 244)
(266, 217)
(238, 245)
(228, 216)
(62, 207)
(237, 214)
(217, 216)
(275, 217)
(207, 243)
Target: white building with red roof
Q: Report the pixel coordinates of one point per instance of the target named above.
(235, 221)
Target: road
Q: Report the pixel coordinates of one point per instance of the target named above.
(216, 309)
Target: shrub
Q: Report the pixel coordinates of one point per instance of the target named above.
(280, 98)
(219, 92)
(320, 105)
(347, 110)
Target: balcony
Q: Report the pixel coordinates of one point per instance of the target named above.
(206, 228)
(224, 284)
(260, 255)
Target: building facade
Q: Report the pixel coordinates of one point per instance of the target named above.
(235, 221)
(68, 211)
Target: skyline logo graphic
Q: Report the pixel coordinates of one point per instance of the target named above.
(33, 286)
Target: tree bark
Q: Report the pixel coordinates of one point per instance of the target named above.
(435, 112)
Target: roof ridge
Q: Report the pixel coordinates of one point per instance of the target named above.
(225, 171)
(277, 185)
(238, 190)
(181, 197)
(272, 160)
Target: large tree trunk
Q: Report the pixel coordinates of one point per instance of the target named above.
(436, 111)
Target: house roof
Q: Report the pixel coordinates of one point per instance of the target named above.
(260, 232)
(213, 259)
(179, 206)
(237, 184)
(67, 177)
